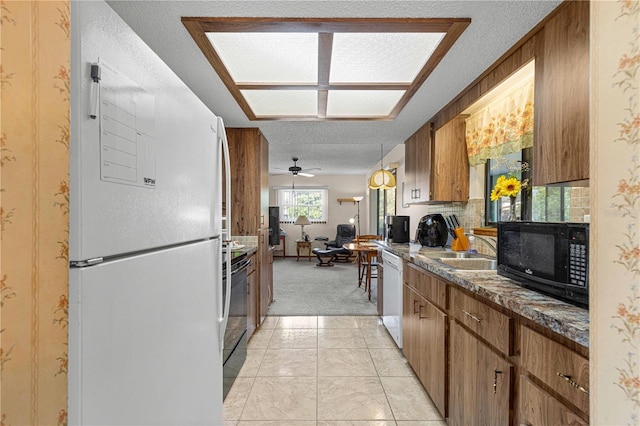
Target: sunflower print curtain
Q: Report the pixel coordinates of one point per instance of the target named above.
(503, 127)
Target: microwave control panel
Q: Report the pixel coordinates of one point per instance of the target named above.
(578, 258)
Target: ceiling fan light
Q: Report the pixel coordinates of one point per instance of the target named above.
(382, 179)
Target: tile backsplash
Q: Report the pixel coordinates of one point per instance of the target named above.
(248, 241)
(579, 204)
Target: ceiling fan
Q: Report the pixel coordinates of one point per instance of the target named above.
(296, 170)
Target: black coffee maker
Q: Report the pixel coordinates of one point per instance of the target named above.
(397, 229)
(432, 231)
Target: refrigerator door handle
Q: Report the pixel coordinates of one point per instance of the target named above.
(224, 317)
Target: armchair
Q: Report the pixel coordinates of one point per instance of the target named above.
(345, 234)
(334, 252)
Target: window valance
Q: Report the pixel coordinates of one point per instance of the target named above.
(503, 127)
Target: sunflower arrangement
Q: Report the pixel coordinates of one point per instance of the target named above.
(506, 187)
(509, 187)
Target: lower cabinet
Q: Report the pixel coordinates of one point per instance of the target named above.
(538, 408)
(424, 343)
(432, 325)
(483, 364)
(265, 290)
(252, 297)
(481, 382)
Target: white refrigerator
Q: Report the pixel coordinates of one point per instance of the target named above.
(146, 315)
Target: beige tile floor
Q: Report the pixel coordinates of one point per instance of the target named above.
(327, 371)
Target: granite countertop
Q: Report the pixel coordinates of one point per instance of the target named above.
(567, 320)
(245, 250)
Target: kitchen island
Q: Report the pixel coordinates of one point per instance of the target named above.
(489, 351)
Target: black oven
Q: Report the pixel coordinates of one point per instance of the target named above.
(552, 258)
(235, 336)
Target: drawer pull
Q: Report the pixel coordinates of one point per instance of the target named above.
(574, 384)
(473, 317)
(495, 379)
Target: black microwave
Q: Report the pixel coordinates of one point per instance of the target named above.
(552, 258)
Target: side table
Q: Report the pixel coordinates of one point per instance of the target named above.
(305, 245)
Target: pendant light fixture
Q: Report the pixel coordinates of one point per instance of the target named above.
(382, 179)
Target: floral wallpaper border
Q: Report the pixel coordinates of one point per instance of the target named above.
(627, 201)
(615, 188)
(34, 156)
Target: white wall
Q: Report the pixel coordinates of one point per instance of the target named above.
(340, 186)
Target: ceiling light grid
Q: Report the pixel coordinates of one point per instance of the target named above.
(312, 69)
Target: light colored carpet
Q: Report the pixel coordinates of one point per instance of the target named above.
(302, 288)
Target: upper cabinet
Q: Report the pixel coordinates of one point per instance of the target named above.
(561, 136)
(437, 166)
(560, 47)
(450, 175)
(249, 156)
(417, 169)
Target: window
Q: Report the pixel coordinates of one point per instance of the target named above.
(552, 203)
(507, 165)
(385, 200)
(307, 201)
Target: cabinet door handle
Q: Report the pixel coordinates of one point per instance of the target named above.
(414, 307)
(473, 317)
(420, 313)
(572, 383)
(418, 193)
(495, 379)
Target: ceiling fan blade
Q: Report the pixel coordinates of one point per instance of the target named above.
(306, 174)
(312, 168)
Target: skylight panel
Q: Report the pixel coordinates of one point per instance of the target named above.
(362, 103)
(282, 102)
(380, 57)
(268, 57)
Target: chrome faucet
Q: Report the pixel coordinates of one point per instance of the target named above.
(487, 241)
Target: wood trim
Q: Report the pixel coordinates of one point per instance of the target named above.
(329, 25)
(199, 36)
(489, 232)
(325, 27)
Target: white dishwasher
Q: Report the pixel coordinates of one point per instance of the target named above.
(392, 296)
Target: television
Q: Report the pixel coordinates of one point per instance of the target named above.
(274, 226)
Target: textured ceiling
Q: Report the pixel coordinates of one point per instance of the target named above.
(349, 147)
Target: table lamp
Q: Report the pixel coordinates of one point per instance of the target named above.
(302, 221)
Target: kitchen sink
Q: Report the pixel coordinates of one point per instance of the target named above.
(471, 264)
(450, 255)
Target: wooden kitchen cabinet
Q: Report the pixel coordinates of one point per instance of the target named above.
(481, 383)
(450, 172)
(249, 158)
(417, 167)
(424, 337)
(266, 274)
(488, 364)
(538, 408)
(561, 135)
(562, 370)
(252, 297)
(437, 165)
